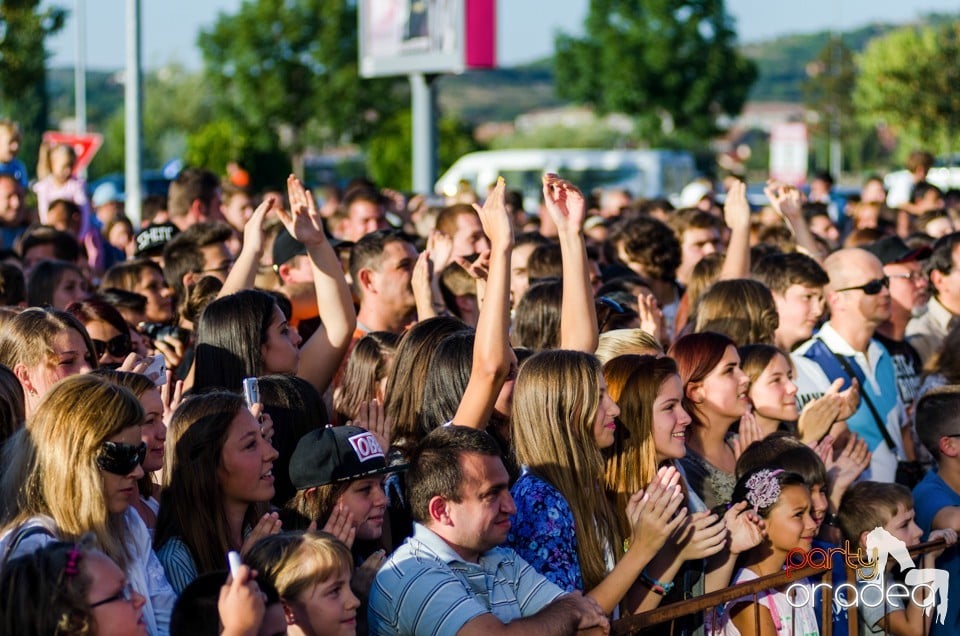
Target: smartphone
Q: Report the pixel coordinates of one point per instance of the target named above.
(251, 391)
(157, 371)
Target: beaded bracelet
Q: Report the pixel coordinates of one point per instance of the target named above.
(657, 587)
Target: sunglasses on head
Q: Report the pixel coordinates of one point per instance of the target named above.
(118, 346)
(871, 288)
(119, 458)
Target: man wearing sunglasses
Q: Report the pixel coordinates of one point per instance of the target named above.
(858, 297)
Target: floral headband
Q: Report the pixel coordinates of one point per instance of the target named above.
(763, 488)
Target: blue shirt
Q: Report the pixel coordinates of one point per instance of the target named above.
(15, 169)
(931, 496)
(427, 588)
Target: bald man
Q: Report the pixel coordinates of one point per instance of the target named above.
(858, 296)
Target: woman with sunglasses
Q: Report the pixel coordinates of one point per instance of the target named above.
(85, 456)
(107, 328)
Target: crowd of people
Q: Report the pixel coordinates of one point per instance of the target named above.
(468, 419)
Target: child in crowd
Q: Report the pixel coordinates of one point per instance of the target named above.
(311, 571)
(218, 605)
(9, 147)
(782, 500)
(70, 589)
(880, 516)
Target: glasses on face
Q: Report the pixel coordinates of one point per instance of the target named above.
(118, 346)
(125, 594)
(223, 269)
(119, 458)
(913, 277)
(871, 288)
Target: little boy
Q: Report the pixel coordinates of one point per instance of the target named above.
(9, 147)
(938, 493)
(878, 518)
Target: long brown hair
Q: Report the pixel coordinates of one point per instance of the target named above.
(192, 503)
(631, 463)
(555, 403)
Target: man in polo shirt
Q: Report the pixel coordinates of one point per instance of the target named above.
(450, 577)
(858, 296)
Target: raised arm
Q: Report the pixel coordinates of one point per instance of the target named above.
(736, 214)
(243, 274)
(322, 353)
(578, 317)
(491, 350)
(787, 201)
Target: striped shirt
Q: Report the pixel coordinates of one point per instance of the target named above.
(427, 588)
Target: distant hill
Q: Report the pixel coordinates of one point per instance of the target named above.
(502, 94)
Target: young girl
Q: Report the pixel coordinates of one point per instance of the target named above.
(69, 589)
(219, 457)
(42, 346)
(715, 396)
(782, 499)
(311, 571)
(567, 530)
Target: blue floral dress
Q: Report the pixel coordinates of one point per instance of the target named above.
(543, 531)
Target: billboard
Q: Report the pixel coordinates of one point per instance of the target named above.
(398, 37)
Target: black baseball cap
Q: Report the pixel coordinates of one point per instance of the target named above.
(892, 249)
(336, 454)
(151, 239)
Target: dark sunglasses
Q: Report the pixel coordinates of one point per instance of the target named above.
(119, 458)
(118, 346)
(872, 288)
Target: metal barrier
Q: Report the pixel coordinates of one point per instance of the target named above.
(711, 601)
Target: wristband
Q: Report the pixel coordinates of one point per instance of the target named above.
(657, 587)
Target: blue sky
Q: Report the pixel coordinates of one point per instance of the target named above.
(526, 27)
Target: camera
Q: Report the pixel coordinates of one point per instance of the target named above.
(155, 330)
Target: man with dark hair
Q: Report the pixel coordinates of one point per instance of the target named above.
(925, 197)
(381, 267)
(364, 213)
(198, 251)
(451, 577)
(651, 249)
(699, 235)
(44, 243)
(926, 332)
(937, 497)
(545, 262)
(796, 282)
(193, 197)
(519, 262)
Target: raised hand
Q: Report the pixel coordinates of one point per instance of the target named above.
(818, 415)
(440, 249)
(241, 604)
(564, 202)
(373, 418)
(651, 316)
(303, 222)
(786, 200)
(736, 208)
(254, 236)
(750, 432)
(656, 512)
(171, 395)
(340, 524)
(494, 217)
(852, 460)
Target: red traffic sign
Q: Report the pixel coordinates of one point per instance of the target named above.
(85, 145)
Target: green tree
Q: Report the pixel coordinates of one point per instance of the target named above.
(908, 80)
(389, 149)
(673, 64)
(284, 72)
(23, 97)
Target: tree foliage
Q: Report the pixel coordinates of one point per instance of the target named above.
(285, 73)
(673, 64)
(908, 80)
(24, 26)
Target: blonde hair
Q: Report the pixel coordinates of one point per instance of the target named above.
(66, 432)
(619, 342)
(295, 561)
(555, 403)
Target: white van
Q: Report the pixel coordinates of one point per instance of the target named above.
(645, 173)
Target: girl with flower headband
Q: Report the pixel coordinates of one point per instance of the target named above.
(85, 456)
(782, 500)
(71, 590)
